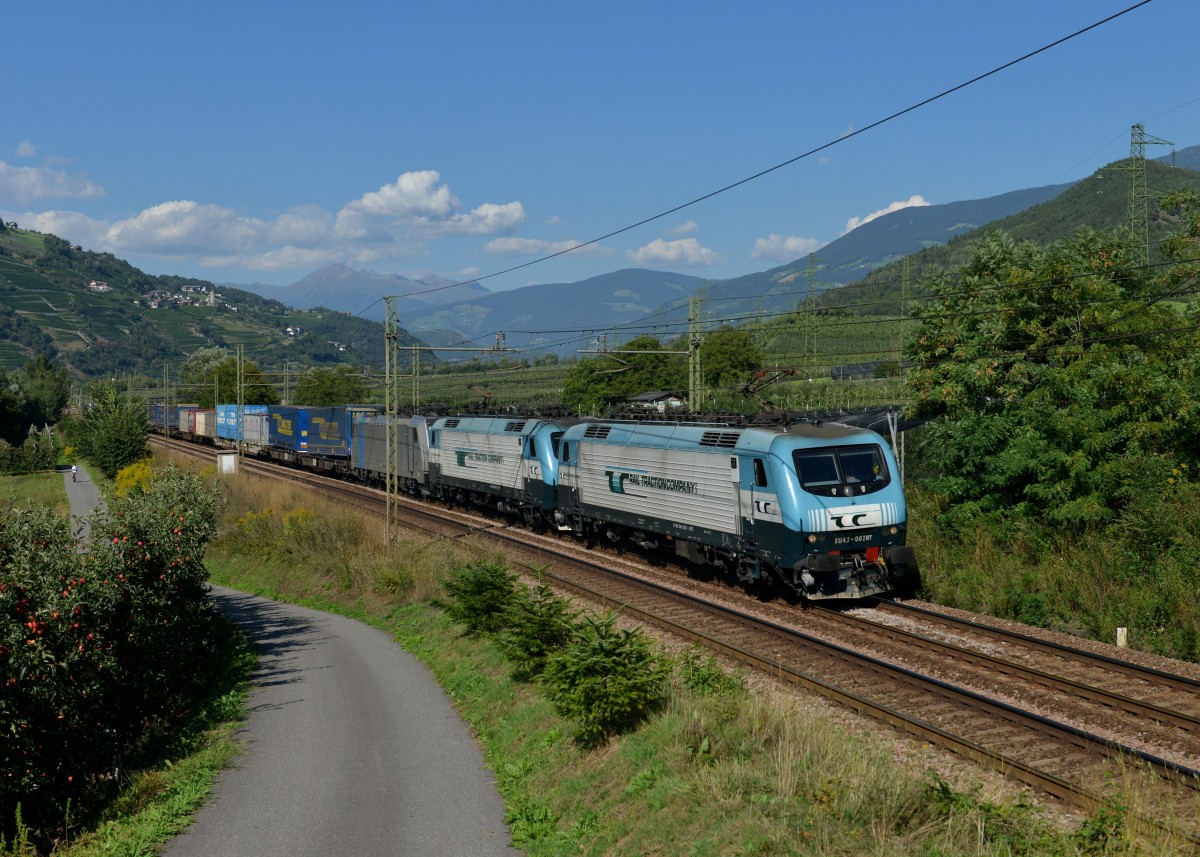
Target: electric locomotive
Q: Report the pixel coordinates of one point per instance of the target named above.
(818, 507)
(510, 463)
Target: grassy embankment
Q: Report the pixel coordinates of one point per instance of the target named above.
(1141, 572)
(723, 769)
(39, 489)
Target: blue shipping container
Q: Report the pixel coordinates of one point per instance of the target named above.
(227, 421)
(288, 427)
(162, 417)
(329, 431)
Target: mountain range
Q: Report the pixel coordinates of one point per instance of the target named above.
(537, 315)
(361, 292)
(102, 316)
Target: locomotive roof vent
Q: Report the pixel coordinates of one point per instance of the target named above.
(597, 431)
(722, 439)
(515, 426)
(452, 423)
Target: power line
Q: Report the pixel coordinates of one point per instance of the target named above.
(816, 150)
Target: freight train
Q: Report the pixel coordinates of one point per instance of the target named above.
(816, 507)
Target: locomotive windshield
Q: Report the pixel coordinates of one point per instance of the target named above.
(841, 470)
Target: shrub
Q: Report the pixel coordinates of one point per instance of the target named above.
(112, 432)
(38, 452)
(98, 649)
(539, 624)
(605, 679)
(480, 595)
(700, 672)
(136, 477)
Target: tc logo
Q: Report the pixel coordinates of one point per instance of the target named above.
(840, 520)
(764, 507)
(460, 458)
(616, 481)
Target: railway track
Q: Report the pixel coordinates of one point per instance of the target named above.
(1063, 721)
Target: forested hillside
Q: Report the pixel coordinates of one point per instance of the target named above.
(100, 316)
(1101, 201)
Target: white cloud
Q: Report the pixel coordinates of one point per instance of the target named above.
(915, 200)
(280, 259)
(687, 252)
(534, 247)
(683, 229)
(486, 219)
(305, 224)
(526, 246)
(399, 220)
(413, 193)
(784, 248)
(26, 149)
(69, 225)
(22, 185)
(184, 227)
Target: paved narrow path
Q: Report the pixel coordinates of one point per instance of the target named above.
(351, 748)
(84, 498)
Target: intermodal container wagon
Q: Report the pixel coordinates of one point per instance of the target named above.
(227, 419)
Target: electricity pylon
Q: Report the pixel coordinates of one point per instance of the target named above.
(1139, 195)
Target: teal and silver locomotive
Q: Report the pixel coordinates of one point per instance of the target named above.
(818, 507)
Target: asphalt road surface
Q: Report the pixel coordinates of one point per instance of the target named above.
(351, 748)
(83, 497)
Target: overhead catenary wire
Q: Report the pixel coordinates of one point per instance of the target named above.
(813, 151)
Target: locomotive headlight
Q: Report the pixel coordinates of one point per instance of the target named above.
(893, 531)
(812, 537)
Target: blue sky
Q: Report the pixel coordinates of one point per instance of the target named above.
(257, 141)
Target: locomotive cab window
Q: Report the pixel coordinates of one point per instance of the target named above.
(532, 447)
(841, 470)
(566, 452)
(760, 473)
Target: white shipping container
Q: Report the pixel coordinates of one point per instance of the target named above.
(255, 429)
(206, 422)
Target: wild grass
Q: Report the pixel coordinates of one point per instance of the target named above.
(721, 769)
(1142, 575)
(39, 489)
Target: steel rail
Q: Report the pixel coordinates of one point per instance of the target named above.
(1108, 698)
(1070, 792)
(1147, 674)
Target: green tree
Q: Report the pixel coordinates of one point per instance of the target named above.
(13, 424)
(605, 678)
(99, 650)
(47, 389)
(112, 431)
(210, 373)
(593, 383)
(201, 365)
(727, 357)
(339, 385)
(1063, 386)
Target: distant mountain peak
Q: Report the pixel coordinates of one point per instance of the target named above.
(343, 288)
